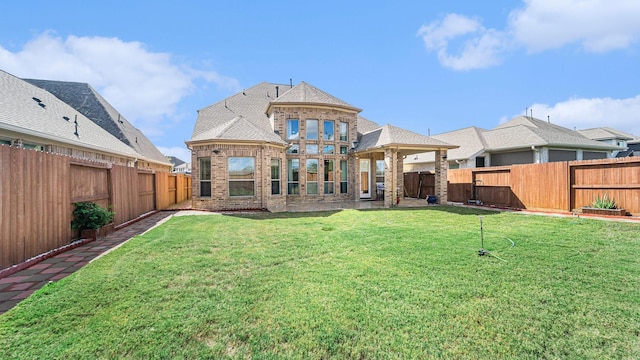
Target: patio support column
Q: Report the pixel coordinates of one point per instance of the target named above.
(389, 179)
(441, 176)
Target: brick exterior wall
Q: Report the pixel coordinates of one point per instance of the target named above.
(279, 119)
(220, 198)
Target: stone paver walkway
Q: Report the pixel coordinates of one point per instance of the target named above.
(17, 287)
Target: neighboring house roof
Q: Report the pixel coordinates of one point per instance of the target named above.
(526, 131)
(30, 110)
(89, 102)
(471, 143)
(606, 133)
(175, 161)
(304, 94)
(522, 132)
(390, 135)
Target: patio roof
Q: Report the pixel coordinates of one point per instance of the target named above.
(409, 142)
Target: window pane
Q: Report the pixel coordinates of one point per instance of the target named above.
(241, 176)
(379, 171)
(275, 169)
(312, 149)
(241, 188)
(329, 130)
(344, 150)
(205, 168)
(205, 188)
(293, 149)
(275, 187)
(241, 168)
(292, 129)
(312, 129)
(205, 176)
(329, 177)
(329, 149)
(293, 175)
(312, 176)
(275, 176)
(343, 131)
(343, 176)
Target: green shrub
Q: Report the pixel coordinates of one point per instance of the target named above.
(88, 215)
(604, 202)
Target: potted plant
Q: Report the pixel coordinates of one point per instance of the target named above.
(603, 205)
(90, 217)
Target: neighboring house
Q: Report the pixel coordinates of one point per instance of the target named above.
(32, 117)
(273, 145)
(179, 166)
(90, 103)
(522, 140)
(630, 143)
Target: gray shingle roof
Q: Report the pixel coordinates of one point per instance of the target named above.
(304, 93)
(87, 101)
(249, 104)
(392, 135)
(366, 125)
(21, 111)
(239, 129)
(469, 140)
(519, 133)
(606, 133)
(525, 131)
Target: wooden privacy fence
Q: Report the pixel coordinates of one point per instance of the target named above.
(564, 186)
(419, 184)
(38, 190)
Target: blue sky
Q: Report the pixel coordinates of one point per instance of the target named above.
(428, 66)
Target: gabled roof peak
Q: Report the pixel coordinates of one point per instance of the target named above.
(306, 94)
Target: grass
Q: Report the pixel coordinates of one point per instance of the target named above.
(349, 284)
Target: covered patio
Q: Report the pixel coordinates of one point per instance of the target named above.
(379, 161)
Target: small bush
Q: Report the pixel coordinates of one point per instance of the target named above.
(88, 215)
(604, 203)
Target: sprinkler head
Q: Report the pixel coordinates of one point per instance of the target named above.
(482, 252)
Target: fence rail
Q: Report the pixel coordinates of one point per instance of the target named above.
(38, 190)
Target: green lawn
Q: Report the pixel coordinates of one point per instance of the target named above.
(350, 284)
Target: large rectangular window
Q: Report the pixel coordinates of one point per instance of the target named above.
(343, 176)
(275, 176)
(344, 131)
(293, 176)
(312, 129)
(292, 129)
(242, 172)
(205, 176)
(329, 177)
(329, 130)
(312, 176)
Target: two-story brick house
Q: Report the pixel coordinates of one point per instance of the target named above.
(273, 145)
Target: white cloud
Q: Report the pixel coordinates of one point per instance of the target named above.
(597, 25)
(181, 153)
(144, 86)
(480, 47)
(620, 114)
